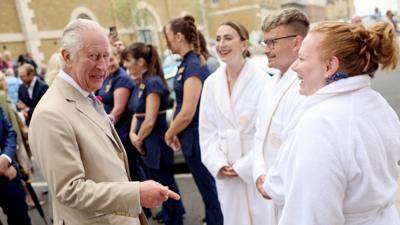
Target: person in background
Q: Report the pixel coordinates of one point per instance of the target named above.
(377, 16)
(23, 154)
(13, 84)
(12, 195)
(391, 19)
(148, 104)
(30, 92)
(9, 60)
(211, 62)
(356, 20)
(183, 134)
(114, 94)
(3, 63)
(53, 68)
(119, 45)
(12, 192)
(346, 139)
(27, 59)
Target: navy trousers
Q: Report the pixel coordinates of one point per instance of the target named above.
(172, 210)
(206, 184)
(12, 201)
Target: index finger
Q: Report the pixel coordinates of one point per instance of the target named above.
(173, 195)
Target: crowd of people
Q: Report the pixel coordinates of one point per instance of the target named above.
(313, 144)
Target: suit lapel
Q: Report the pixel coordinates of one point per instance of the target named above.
(83, 106)
(25, 96)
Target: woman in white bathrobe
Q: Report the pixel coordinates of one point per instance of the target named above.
(340, 162)
(227, 125)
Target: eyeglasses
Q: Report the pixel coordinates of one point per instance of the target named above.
(271, 42)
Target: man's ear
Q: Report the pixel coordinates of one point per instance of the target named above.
(297, 42)
(66, 56)
(332, 66)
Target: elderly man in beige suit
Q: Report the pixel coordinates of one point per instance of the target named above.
(77, 148)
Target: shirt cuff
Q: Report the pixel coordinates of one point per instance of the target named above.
(7, 157)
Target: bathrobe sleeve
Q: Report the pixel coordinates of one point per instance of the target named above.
(210, 140)
(313, 174)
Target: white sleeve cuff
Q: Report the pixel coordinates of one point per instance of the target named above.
(7, 157)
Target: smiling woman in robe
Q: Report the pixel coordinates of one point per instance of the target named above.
(340, 160)
(227, 125)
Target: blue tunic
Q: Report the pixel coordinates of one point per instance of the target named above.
(189, 138)
(157, 152)
(190, 67)
(119, 79)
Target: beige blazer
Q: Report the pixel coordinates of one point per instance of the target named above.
(83, 161)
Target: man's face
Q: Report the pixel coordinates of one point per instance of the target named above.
(282, 49)
(25, 77)
(119, 45)
(90, 65)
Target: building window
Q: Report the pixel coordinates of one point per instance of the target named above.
(144, 35)
(145, 27)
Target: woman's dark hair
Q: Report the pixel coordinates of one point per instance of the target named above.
(203, 46)
(149, 54)
(186, 26)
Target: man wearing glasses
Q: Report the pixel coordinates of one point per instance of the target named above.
(283, 34)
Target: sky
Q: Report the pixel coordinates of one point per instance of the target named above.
(366, 7)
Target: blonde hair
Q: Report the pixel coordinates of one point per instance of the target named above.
(53, 68)
(293, 18)
(359, 50)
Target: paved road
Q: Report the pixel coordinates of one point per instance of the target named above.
(387, 83)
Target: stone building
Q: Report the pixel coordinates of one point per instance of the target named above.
(35, 26)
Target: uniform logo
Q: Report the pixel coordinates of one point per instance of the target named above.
(141, 89)
(181, 69)
(108, 86)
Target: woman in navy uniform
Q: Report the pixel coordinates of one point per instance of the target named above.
(114, 94)
(148, 103)
(182, 38)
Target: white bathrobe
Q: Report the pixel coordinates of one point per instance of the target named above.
(278, 105)
(340, 161)
(227, 126)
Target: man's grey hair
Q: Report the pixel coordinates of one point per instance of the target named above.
(291, 17)
(72, 36)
